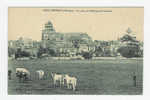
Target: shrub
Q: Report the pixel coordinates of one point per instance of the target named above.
(87, 55)
(129, 51)
(48, 51)
(20, 53)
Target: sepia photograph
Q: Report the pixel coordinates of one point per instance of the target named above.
(75, 50)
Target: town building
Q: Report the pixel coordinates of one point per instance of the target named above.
(71, 42)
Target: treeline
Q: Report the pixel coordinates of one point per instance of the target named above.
(125, 51)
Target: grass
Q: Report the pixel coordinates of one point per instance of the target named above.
(107, 77)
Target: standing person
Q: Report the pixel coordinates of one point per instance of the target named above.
(134, 79)
(9, 74)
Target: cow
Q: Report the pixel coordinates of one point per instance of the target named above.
(57, 77)
(22, 73)
(40, 74)
(70, 81)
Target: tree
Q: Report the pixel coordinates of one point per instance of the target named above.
(18, 53)
(131, 47)
(87, 55)
(128, 36)
(107, 52)
(21, 53)
(40, 52)
(98, 51)
(76, 44)
(47, 51)
(51, 52)
(129, 51)
(11, 51)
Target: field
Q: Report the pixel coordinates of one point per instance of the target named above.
(102, 77)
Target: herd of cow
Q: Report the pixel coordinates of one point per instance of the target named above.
(58, 79)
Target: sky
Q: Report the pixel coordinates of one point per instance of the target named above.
(99, 23)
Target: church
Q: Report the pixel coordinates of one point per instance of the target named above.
(65, 42)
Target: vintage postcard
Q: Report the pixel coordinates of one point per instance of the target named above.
(84, 51)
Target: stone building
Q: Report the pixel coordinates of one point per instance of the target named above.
(65, 42)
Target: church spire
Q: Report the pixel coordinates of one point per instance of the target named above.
(49, 27)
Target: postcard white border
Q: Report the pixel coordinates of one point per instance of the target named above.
(69, 3)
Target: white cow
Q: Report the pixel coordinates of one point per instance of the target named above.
(40, 74)
(23, 71)
(70, 81)
(57, 77)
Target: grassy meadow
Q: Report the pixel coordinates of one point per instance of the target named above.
(102, 77)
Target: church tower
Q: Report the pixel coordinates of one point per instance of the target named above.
(47, 31)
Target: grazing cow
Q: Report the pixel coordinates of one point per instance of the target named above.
(57, 77)
(40, 74)
(70, 81)
(19, 75)
(22, 73)
(22, 76)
